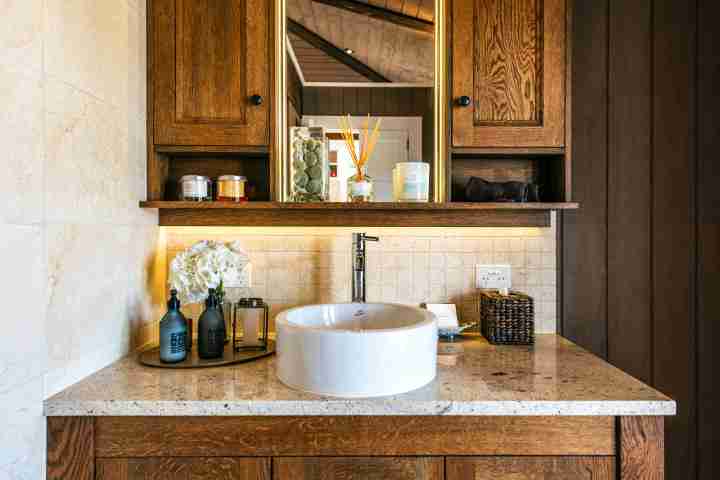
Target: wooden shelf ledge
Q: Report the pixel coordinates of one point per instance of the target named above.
(379, 214)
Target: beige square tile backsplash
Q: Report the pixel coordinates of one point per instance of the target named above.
(296, 266)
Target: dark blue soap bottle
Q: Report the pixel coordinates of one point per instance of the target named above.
(173, 332)
(211, 329)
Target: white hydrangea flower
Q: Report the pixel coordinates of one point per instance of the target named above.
(208, 264)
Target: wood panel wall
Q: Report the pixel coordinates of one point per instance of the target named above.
(294, 94)
(707, 275)
(641, 258)
(389, 102)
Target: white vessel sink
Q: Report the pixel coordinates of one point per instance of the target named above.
(356, 349)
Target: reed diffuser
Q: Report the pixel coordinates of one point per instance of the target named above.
(360, 185)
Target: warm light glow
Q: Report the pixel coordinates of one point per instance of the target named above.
(219, 232)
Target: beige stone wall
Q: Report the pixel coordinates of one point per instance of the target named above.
(296, 266)
(77, 254)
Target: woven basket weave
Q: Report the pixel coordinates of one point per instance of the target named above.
(507, 319)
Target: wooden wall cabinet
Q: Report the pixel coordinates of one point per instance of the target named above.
(212, 68)
(211, 72)
(508, 73)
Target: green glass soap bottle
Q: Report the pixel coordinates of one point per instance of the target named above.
(173, 332)
(211, 329)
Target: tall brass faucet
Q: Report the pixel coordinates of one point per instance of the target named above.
(359, 270)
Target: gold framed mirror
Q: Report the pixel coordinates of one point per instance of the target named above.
(434, 143)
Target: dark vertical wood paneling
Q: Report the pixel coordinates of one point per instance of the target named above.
(673, 230)
(363, 101)
(378, 105)
(310, 100)
(425, 97)
(392, 102)
(350, 101)
(629, 187)
(584, 233)
(662, 213)
(334, 99)
(708, 237)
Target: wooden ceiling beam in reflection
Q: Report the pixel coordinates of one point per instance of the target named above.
(383, 14)
(319, 42)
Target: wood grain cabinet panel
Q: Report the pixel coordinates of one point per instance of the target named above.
(359, 468)
(211, 58)
(183, 469)
(531, 468)
(70, 448)
(508, 67)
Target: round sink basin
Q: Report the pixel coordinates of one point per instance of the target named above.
(356, 349)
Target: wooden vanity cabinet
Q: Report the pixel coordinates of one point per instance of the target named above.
(356, 447)
(359, 468)
(211, 72)
(508, 73)
(222, 468)
(531, 468)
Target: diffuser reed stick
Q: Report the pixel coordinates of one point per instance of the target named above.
(367, 144)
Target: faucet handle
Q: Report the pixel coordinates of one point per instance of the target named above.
(359, 238)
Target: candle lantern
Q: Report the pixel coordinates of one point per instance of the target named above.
(251, 324)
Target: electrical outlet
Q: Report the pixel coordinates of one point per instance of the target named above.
(493, 276)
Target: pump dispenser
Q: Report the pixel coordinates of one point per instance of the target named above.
(211, 329)
(173, 332)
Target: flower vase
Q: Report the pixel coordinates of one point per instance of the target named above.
(360, 188)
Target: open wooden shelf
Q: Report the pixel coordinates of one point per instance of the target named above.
(508, 151)
(380, 214)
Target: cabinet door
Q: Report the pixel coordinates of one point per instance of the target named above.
(531, 468)
(183, 469)
(508, 67)
(211, 72)
(359, 468)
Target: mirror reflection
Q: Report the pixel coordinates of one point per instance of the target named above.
(359, 88)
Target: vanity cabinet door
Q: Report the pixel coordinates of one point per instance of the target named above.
(211, 72)
(508, 73)
(183, 469)
(359, 468)
(531, 468)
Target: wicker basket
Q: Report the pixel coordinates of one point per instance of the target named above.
(507, 319)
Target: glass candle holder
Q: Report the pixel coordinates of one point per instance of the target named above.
(251, 324)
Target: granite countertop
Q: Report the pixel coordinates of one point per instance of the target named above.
(555, 377)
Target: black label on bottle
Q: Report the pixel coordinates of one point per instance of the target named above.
(177, 342)
(216, 340)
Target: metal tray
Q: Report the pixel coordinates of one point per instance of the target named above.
(151, 357)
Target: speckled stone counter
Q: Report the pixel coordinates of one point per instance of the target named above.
(555, 377)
